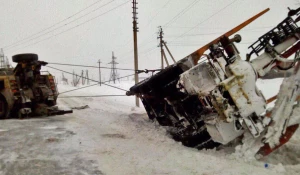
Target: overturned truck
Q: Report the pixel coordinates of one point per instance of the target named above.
(25, 91)
(210, 97)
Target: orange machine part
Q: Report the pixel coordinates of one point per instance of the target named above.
(266, 149)
(198, 53)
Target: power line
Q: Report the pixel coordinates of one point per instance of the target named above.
(94, 96)
(97, 67)
(181, 13)
(179, 27)
(78, 88)
(201, 34)
(154, 16)
(87, 79)
(149, 50)
(169, 22)
(45, 29)
(146, 41)
(38, 36)
(80, 24)
(92, 85)
(77, 65)
(206, 19)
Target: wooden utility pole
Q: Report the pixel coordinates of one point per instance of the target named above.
(87, 77)
(99, 73)
(82, 78)
(135, 30)
(160, 36)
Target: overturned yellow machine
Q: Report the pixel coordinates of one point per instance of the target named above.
(25, 91)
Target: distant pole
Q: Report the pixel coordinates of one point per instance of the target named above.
(82, 79)
(87, 77)
(99, 72)
(160, 36)
(135, 30)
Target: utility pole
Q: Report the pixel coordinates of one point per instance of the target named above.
(135, 30)
(64, 79)
(160, 37)
(83, 78)
(87, 77)
(99, 72)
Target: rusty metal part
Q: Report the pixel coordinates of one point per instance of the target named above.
(275, 97)
(266, 149)
(291, 50)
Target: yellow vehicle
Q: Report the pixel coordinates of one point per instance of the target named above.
(25, 91)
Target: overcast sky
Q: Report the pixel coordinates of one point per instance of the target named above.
(61, 34)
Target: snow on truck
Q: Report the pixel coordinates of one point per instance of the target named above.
(24, 91)
(210, 97)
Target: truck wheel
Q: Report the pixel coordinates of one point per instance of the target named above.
(27, 57)
(3, 107)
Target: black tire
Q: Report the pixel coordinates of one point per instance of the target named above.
(27, 57)
(3, 107)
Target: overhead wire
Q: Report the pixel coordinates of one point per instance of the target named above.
(201, 34)
(211, 16)
(80, 24)
(79, 88)
(77, 65)
(182, 12)
(47, 28)
(169, 22)
(59, 27)
(178, 27)
(87, 78)
(147, 41)
(154, 16)
(94, 84)
(165, 25)
(93, 96)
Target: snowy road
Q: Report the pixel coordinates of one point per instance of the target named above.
(112, 137)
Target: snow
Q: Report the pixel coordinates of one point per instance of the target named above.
(134, 145)
(114, 137)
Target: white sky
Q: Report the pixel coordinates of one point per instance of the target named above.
(96, 39)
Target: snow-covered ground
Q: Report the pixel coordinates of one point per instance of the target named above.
(114, 137)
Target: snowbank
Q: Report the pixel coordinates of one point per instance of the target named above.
(123, 141)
